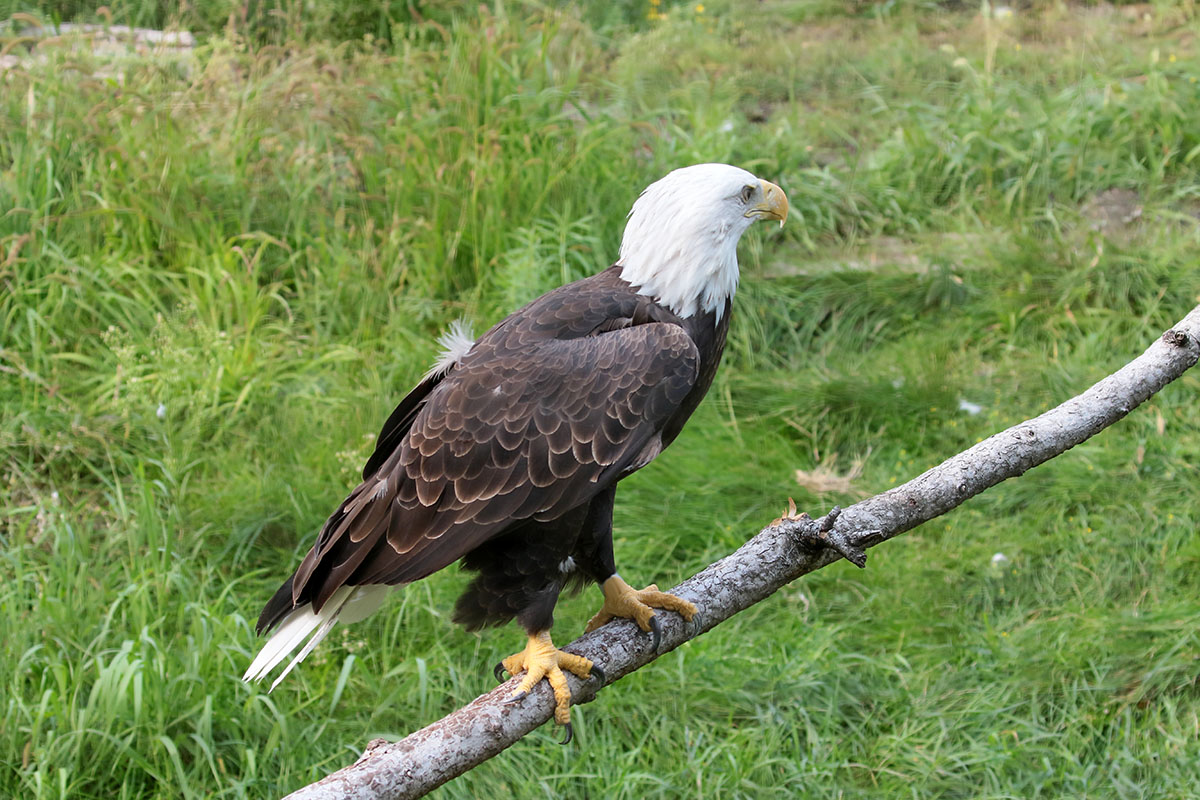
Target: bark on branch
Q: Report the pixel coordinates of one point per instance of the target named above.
(776, 556)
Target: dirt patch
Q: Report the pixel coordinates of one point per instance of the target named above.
(1113, 210)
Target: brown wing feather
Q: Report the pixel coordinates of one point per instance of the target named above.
(526, 426)
(398, 424)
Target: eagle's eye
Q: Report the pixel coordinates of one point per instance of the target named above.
(747, 193)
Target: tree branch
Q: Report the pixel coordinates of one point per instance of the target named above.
(776, 556)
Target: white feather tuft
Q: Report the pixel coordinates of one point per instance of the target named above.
(680, 243)
(456, 343)
(348, 604)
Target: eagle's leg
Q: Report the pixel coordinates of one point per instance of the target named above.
(594, 556)
(622, 600)
(541, 659)
(521, 575)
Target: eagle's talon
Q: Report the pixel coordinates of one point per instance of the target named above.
(598, 674)
(568, 733)
(499, 671)
(622, 600)
(541, 660)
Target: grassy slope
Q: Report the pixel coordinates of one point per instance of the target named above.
(268, 244)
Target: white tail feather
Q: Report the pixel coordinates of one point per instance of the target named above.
(348, 604)
(321, 633)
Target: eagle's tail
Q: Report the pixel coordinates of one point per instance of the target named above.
(348, 604)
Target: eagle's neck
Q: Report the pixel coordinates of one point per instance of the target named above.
(689, 271)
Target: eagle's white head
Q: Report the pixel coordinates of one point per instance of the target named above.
(680, 244)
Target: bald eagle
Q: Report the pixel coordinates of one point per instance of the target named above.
(508, 453)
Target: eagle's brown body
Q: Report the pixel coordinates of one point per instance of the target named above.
(510, 459)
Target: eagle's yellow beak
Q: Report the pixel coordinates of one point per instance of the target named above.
(774, 204)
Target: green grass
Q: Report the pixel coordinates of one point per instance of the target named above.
(218, 275)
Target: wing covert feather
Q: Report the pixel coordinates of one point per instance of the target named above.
(525, 426)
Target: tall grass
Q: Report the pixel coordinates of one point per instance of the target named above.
(217, 274)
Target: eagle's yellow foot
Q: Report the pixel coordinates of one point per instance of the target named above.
(622, 600)
(541, 659)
